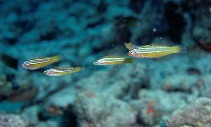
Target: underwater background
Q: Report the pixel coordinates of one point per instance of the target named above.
(171, 91)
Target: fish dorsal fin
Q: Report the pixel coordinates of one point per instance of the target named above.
(58, 67)
(130, 46)
(163, 43)
(154, 45)
(113, 56)
(40, 57)
(64, 68)
(44, 57)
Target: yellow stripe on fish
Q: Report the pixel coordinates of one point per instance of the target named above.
(40, 62)
(112, 60)
(155, 51)
(61, 71)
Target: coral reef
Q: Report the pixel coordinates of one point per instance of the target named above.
(144, 93)
(12, 120)
(198, 114)
(100, 112)
(152, 107)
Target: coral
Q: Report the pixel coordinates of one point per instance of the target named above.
(32, 112)
(103, 113)
(17, 90)
(197, 114)
(68, 97)
(12, 120)
(181, 83)
(152, 107)
(90, 93)
(139, 94)
(49, 123)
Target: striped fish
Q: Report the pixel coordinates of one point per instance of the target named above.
(61, 71)
(155, 51)
(40, 62)
(111, 60)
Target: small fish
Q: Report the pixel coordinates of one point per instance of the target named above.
(61, 71)
(111, 60)
(40, 62)
(154, 50)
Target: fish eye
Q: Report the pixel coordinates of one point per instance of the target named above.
(131, 52)
(100, 60)
(24, 65)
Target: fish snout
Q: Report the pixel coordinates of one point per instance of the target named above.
(24, 65)
(47, 72)
(129, 54)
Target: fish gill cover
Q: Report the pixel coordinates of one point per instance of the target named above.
(43, 39)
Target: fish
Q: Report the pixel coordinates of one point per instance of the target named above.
(10, 61)
(40, 62)
(112, 60)
(62, 71)
(154, 50)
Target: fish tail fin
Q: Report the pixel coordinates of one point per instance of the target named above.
(56, 58)
(81, 68)
(179, 49)
(128, 60)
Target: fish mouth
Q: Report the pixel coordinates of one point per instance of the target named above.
(129, 54)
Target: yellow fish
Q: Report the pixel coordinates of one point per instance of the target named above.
(111, 60)
(61, 71)
(153, 50)
(40, 62)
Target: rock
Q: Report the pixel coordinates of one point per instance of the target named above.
(12, 120)
(104, 111)
(197, 114)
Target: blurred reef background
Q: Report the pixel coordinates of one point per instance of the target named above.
(173, 91)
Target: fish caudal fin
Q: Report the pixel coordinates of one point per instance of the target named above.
(179, 49)
(128, 60)
(56, 58)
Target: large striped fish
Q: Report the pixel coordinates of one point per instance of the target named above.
(111, 60)
(153, 50)
(40, 62)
